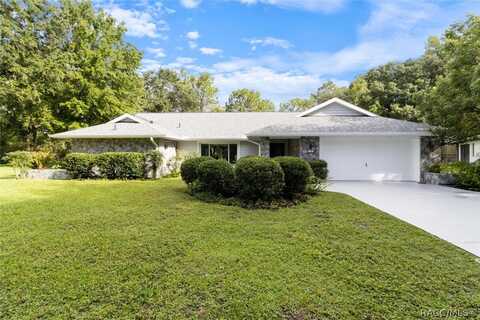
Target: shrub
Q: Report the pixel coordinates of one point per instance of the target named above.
(216, 177)
(297, 171)
(468, 177)
(42, 159)
(319, 168)
(434, 168)
(454, 167)
(315, 185)
(259, 178)
(21, 161)
(120, 165)
(79, 165)
(189, 167)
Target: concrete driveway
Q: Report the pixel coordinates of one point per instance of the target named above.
(449, 213)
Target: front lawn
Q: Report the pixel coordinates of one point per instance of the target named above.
(146, 249)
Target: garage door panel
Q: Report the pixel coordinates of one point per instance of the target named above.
(371, 158)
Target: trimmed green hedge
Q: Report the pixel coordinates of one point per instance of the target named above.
(189, 168)
(80, 165)
(121, 165)
(320, 168)
(297, 171)
(216, 177)
(259, 178)
(467, 174)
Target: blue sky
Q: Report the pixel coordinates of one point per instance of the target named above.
(283, 48)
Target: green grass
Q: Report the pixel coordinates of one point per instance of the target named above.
(146, 249)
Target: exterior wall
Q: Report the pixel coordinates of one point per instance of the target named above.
(309, 148)
(335, 109)
(427, 156)
(247, 149)
(264, 146)
(474, 151)
(187, 148)
(111, 145)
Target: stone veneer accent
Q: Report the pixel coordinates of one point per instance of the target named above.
(427, 146)
(264, 146)
(309, 148)
(111, 145)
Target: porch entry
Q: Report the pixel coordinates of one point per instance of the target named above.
(280, 148)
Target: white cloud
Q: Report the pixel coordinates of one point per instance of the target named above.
(190, 4)
(210, 51)
(269, 41)
(193, 35)
(326, 6)
(138, 23)
(157, 52)
(273, 85)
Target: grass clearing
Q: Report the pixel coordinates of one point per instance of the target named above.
(146, 249)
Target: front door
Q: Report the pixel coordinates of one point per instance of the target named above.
(277, 149)
(465, 153)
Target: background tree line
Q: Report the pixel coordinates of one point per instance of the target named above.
(65, 65)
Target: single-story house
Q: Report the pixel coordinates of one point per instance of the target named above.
(357, 144)
(469, 151)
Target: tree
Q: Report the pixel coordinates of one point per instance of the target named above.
(63, 65)
(178, 91)
(327, 91)
(453, 104)
(245, 100)
(296, 105)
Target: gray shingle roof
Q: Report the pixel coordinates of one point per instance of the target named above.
(330, 125)
(114, 130)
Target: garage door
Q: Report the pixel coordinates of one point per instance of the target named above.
(372, 158)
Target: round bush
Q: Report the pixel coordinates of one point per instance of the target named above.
(79, 165)
(259, 178)
(189, 168)
(297, 171)
(319, 168)
(216, 177)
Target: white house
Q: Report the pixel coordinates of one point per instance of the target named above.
(469, 151)
(357, 144)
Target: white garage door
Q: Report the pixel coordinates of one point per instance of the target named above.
(372, 158)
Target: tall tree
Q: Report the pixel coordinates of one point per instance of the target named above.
(453, 104)
(245, 100)
(169, 90)
(296, 105)
(63, 65)
(327, 91)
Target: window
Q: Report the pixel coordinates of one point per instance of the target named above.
(220, 151)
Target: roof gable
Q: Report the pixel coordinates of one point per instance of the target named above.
(127, 118)
(336, 107)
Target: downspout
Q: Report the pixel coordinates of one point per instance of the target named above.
(259, 146)
(154, 143)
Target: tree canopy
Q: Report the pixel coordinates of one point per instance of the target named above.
(453, 104)
(169, 90)
(63, 65)
(245, 100)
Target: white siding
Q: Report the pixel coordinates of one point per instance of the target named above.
(187, 148)
(247, 149)
(335, 109)
(475, 151)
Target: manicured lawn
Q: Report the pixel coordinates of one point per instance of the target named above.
(145, 249)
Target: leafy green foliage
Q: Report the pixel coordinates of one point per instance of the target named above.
(153, 162)
(453, 103)
(21, 161)
(79, 165)
(120, 165)
(245, 100)
(216, 177)
(296, 171)
(320, 168)
(466, 174)
(63, 65)
(189, 168)
(259, 178)
(141, 250)
(178, 91)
